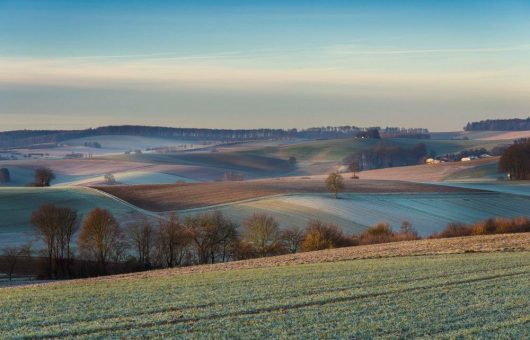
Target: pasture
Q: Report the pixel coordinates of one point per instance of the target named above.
(457, 295)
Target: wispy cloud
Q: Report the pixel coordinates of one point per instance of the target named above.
(351, 50)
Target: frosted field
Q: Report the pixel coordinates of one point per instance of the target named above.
(515, 187)
(119, 143)
(17, 204)
(462, 296)
(133, 178)
(428, 212)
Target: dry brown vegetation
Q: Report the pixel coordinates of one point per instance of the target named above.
(186, 196)
(497, 225)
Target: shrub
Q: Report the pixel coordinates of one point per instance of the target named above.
(263, 233)
(324, 236)
(379, 233)
(454, 229)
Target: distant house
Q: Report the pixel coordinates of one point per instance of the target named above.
(432, 161)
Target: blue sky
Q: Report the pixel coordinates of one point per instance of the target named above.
(435, 64)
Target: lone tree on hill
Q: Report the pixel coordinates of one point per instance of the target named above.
(354, 167)
(335, 183)
(43, 177)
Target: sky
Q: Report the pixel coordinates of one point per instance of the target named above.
(246, 64)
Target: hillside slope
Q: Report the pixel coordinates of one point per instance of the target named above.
(195, 195)
(453, 295)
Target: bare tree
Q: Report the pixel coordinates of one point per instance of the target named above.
(55, 227)
(100, 238)
(263, 233)
(335, 183)
(10, 255)
(211, 234)
(109, 179)
(292, 238)
(354, 167)
(141, 236)
(43, 177)
(172, 242)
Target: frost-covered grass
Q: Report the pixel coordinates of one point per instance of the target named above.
(17, 204)
(466, 295)
(134, 177)
(428, 212)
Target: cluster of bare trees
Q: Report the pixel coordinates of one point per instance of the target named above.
(55, 227)
(43, 177)
(101, 242)
(516, 160)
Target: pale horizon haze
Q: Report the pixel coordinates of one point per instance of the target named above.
(274, 64)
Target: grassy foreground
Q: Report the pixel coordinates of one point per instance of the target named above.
(470, 295)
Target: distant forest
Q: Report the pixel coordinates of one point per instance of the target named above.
(514, 124)
(26, 138)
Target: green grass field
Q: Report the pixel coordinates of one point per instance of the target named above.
(448, 296)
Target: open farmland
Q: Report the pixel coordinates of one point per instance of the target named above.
(451, 295)
(91, 172)
(337, 149)
(17, 204)
(195, 195)
(252, 166)
(428, 212)
(482, 169)
(112, 144)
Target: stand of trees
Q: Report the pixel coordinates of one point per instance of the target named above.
(105, 248)
(43, 177)
(516, 160)
(335, 183)
(25, 138)
(55, 227)
(385, 155)
(5, 176)
(515, 124)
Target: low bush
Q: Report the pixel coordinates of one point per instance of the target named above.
(454, 229)
(324, 236)
(383, 233)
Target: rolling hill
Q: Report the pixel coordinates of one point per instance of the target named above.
(302, 295)
(428, 212)
(196, 195)
(17, 204)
